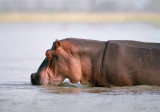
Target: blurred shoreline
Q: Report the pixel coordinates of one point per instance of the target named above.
(80, 17)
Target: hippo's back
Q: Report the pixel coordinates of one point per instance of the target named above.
(132, 63)
(136, 44)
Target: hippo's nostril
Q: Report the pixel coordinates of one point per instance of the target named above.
(32, 76)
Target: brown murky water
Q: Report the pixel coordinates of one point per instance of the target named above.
(23, 47)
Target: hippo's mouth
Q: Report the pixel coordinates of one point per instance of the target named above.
(52, 79)
(49, 74)
(48, 70)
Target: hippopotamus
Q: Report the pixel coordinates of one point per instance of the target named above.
(100, 63)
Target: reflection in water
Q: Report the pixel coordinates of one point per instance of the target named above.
(68, 88)
(62, 90)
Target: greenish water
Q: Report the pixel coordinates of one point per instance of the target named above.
(23, 47)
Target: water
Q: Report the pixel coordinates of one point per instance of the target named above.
(22, 49)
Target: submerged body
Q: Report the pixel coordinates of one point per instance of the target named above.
(111, 63)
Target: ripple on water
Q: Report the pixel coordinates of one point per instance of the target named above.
(68, 88)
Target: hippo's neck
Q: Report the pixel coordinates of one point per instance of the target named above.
(91, 57)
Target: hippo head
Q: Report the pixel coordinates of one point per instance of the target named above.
(60, 63)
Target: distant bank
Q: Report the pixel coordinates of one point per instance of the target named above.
(80, 17)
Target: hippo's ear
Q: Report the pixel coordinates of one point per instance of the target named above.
(58, 44)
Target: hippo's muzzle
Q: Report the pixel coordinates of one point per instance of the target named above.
(35, 79)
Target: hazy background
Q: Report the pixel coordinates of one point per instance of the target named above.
(80, 6)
